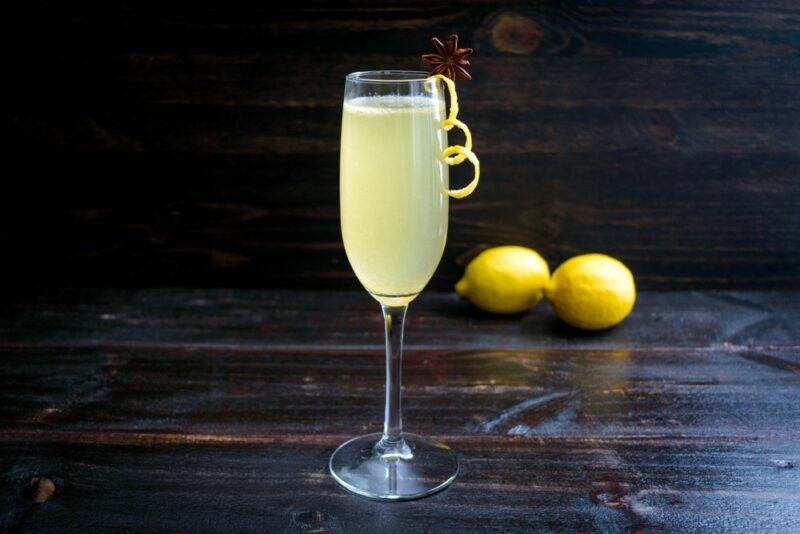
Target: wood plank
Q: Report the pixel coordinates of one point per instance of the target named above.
(615, 393)
(750, 28)
(511, 83)
(239, 319)
(523, 484)
(313, 130)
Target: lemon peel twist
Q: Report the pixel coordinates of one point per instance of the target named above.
(456, 154)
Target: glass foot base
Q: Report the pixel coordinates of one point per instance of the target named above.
(393, 471)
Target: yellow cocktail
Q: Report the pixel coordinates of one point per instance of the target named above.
(393, 192)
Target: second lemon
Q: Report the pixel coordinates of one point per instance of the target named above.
(592, 291)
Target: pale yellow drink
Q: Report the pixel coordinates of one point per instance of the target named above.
(393, 192)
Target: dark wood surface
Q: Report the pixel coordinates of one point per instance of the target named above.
(156, 143)
(211, 409)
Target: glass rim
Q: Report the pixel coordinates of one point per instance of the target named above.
(388, 76)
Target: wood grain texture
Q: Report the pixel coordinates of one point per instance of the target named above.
(247, 320)
(525, 486)
(165, 144)
(208, 410)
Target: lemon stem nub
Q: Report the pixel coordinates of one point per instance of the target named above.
(461, 287)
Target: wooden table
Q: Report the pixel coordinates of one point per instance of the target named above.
(207, 410)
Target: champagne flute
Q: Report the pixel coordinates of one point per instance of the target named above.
(394, 209)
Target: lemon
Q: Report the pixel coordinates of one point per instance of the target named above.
(592, 291)
(507, 279)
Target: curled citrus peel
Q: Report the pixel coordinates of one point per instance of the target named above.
(465, 153)
(448, 125)
(456, 154)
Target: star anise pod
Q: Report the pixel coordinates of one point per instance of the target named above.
(448, 59)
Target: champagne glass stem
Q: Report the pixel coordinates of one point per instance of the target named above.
(393, 318)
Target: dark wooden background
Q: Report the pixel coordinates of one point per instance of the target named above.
(155, 143)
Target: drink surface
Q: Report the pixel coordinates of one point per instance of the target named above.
(393, 192)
